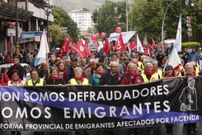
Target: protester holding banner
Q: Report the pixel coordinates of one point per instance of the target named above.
(147, 74)
(169, 72)
(16, 80)
(62, 71)
(54, 77)
(157, 69)
(112, 76)
(131, 74)
(96, 77)
(78, 78)
(35, 79)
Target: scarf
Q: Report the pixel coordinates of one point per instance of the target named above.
(56, 77)
(98, 72)
(79, 78)
(148, 74)
(193, 74)
(132, 74)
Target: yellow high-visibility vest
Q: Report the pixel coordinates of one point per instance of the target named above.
(144, 77)
(74, 82)
(40, 83)
(140, 65)
(155, 76)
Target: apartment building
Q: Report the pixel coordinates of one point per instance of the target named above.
(83, 18)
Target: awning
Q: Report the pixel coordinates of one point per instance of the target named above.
(7, 12)
(31, 36)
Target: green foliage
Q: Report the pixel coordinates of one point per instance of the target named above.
(109, 16)
(57, 35)
(62, 19)
(146, 18)
(190, 45)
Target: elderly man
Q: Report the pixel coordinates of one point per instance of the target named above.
(111, 77)
(148, 74)
(131, 74)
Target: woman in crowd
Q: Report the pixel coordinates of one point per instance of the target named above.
(62, 71)
(54, 77)
(15, 80)
(95, 80)
(169, 72)
(78, 78)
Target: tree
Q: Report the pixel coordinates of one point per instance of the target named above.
(62, 19)
(147, 15)
(57, 35)
(109, 16)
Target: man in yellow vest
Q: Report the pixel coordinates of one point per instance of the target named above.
(35, 79)
(148, 74)
(157, 69)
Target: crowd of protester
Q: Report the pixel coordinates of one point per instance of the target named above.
(100, 69)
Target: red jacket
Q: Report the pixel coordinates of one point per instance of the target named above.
(4, 79)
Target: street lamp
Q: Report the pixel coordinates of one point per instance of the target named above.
(162, 27)
(17, 47)
(47, 9)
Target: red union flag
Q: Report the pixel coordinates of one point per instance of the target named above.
(120, 46)
(65, 45)
(106, 47)
(154, 46)
(80, 49)
(133, 45)
(147, 51)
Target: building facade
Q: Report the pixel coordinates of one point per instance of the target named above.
(83, 18)
(32, 18)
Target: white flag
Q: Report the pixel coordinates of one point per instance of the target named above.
(139, 45)
(42, 55)
(178, 41)
(174, 59)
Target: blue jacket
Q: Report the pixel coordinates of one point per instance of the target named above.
(95, 80)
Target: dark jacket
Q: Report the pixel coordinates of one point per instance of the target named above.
(52, 81)
(108, 79)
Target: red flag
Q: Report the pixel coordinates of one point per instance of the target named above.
(106, 47)
(133, 45)
(81, 50)
(78, 49)
(87, 50)
(154, 46)
(123, 46)
(65, 45)
(147, 51)
(120, 46)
